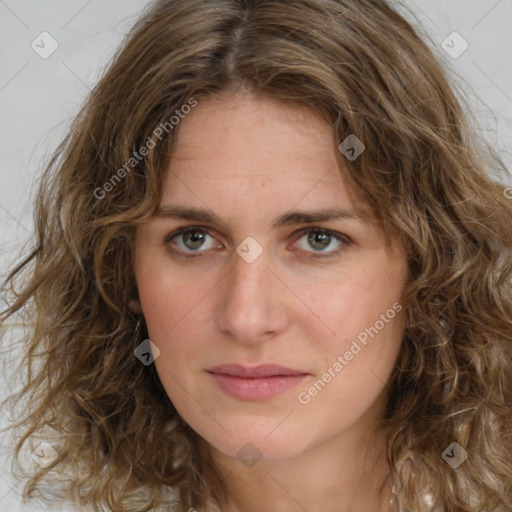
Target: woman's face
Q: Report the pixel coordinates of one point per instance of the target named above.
(266, 273)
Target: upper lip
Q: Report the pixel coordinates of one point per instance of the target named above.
(264, 370)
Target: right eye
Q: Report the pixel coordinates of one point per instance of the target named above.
(192, 239)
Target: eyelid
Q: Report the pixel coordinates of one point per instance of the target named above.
(335, 234)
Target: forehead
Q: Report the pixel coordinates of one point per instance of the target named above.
(257, 146)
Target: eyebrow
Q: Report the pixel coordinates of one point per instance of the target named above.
(287, 219)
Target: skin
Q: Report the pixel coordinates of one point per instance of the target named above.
(250, 160)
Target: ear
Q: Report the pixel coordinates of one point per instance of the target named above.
(134, 306)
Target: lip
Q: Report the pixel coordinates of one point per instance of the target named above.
(263, 370)
(255, 383)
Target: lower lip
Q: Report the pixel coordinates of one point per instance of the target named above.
(259, 388)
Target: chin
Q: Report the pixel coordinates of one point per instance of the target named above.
(256, 441)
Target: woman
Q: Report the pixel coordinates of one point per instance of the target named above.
(272, 273)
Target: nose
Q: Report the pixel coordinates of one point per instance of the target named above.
(252, 308)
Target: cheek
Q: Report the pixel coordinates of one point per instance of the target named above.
(353, 369)
(360, 318)
(347, 304)
(174, 316)
(169, 301)
(178, 318)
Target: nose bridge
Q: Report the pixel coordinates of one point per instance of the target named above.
(247, 278)
(251, 307)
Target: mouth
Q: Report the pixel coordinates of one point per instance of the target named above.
(256, 383)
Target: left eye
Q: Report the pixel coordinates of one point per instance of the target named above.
(320, 241)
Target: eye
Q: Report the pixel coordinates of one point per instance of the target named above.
(318, 240)
(192, 239)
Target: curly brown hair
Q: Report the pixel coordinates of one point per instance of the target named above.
(427, 173)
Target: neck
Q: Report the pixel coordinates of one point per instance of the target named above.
(345, 474)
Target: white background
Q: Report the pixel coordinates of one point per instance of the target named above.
(39, 96)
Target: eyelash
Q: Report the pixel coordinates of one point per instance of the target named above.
(340, 237)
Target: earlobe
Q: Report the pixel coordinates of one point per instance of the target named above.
(135, 307)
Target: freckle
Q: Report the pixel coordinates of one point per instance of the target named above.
(262, 183)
